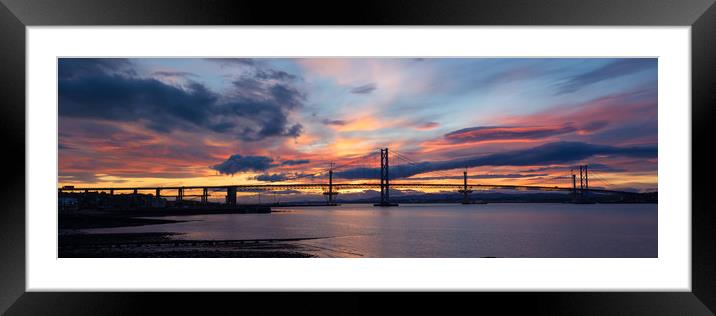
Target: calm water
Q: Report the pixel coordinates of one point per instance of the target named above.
(440, 230)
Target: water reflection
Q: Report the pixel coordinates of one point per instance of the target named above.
(434, 230)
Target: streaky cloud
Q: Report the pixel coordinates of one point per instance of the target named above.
(486, 133)
(428, 126)
(364, 89)
(295, 162)
(271, 177)
(275, 177)
(334, 122)
(547, 154)
(485, 176)
(612, 70)
(232, 61)
(76, 67)
(174, 74)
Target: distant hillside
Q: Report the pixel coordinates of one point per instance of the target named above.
(514, 198)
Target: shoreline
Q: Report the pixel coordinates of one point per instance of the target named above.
(73, 243)
(110, 218)
(162, 245)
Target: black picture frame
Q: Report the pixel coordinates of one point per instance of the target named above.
(15, 15)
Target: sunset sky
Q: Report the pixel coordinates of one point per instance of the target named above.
(193, 121)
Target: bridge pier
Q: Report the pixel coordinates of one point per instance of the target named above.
(180, 194)
(331, 199)
(231, 196)
(158, 193)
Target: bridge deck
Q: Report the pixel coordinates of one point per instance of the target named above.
(337, 186)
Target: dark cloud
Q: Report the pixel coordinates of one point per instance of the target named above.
(592, 166)
(238, 163)
(63, 146)
(334, 122)
(131, 99)
(646, 129)
(594, 126)
(270, 74)
(600, 167)
(287, 192)
(233, 61)
(256, 109)
(267, 105)
(285, 176)
(362, 173)
(174, 74)
(612, 70)
(295, 162)
(485, 133)
(364, 89)
(76, 67)
(272, 177)
(547, 154)
(486, 176)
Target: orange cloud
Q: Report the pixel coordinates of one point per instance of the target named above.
(365, 123)
(427, 126)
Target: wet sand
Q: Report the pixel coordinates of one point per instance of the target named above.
(74, 243)
(162, 245)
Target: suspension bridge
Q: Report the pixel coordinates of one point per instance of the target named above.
(361, 168)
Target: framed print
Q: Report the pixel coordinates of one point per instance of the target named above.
(215, 147)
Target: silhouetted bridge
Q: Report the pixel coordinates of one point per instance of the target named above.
(331, 189)
(325, 187)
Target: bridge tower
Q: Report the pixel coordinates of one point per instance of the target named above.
(586, 178)
(574, 183)
(581, 180)
(205, 196)
(465, 191)
(330, 192)
(231, 196)
(583, 196)
(384, 179)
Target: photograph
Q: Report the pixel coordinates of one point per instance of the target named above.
(183, 157)
(357, 157)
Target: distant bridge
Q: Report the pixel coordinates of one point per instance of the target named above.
(331, 189)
